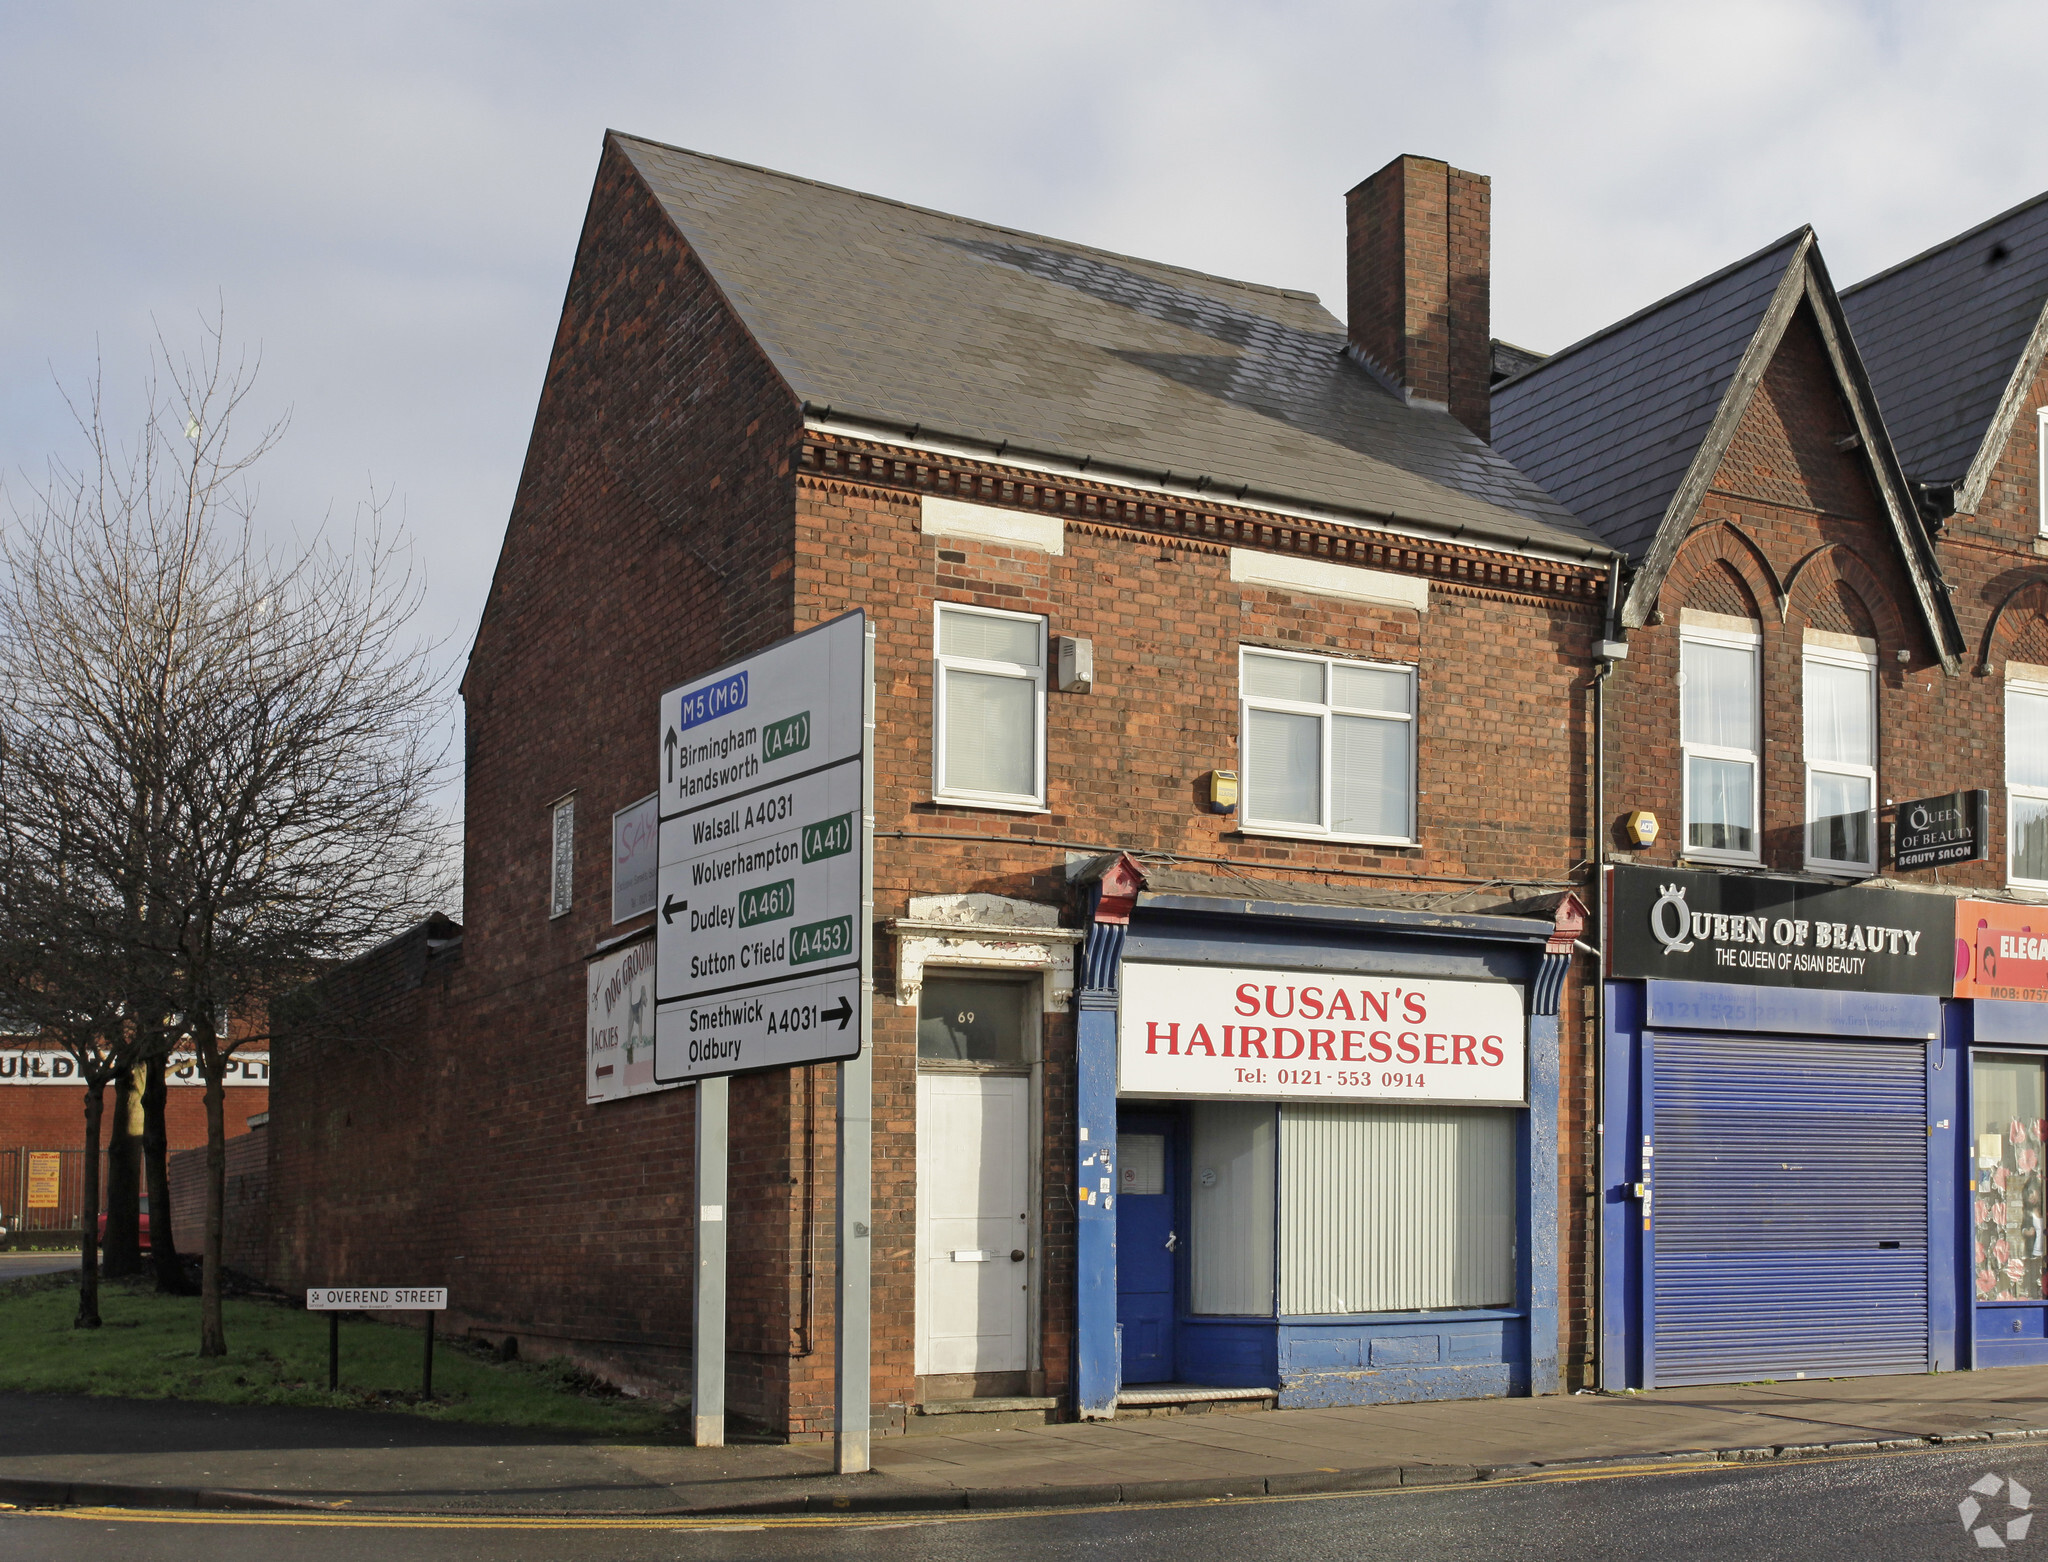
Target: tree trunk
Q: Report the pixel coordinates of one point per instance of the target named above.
(89, 1234)
(121, 1252)
(156, 1166)
(213, 1339)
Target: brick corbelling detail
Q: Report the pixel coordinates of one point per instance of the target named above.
(834, 465)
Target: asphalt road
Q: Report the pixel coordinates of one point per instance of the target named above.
(14, 1265)
(1873, 1509)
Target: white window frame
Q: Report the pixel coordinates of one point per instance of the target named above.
(2039, 691)
(1694, 634)
(942, 664)
(2041, 466)
(1863, 662)
(561, 856)
(1288, 829)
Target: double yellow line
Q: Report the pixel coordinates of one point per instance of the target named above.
(867, 1519)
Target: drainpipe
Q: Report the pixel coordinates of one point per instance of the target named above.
(1612, 648)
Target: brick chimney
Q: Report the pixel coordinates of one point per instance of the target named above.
(1418, 247)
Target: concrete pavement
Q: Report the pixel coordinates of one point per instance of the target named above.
(169, 1451)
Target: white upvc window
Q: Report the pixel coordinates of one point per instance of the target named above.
(988, 708)
(2026, 784)
(1841, 760)
(1719, 742)
(2041, 465)
(1328, 747)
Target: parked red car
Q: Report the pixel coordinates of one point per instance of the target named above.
(144, 1218)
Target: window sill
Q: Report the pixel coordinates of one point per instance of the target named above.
(1280, 833)
(940, 800)
(1711, 859)
(1851, 871)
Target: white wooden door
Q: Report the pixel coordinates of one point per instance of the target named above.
(973, 1223)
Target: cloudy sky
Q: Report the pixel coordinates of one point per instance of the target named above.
(387, 196)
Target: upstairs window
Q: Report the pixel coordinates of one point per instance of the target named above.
(2026, 784)
(988, 738)
(2041, 466)
(1328, 747)
(1841, 760)
(1718, 739)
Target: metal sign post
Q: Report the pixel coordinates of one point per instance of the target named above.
(764, 933)
(334, 1300)
(853, 1421)
(707, 1320)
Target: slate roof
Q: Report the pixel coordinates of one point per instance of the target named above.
(1610, 424)
(890, 315)
(1941, 333)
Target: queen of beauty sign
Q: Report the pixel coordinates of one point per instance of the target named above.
(1219, 1031)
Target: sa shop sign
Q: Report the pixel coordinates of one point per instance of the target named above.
(1223, 1031)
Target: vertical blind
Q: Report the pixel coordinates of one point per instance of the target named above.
(1231, 1204)
(1363, 714)
(1396, 1208)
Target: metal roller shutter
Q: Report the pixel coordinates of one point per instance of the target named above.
(1789, 1218)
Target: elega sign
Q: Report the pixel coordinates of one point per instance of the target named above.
(1225, 1031)
(618, 1056)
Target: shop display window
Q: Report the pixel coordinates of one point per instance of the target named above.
(2007, 1176)
(974, 1019)
(1230, 1204)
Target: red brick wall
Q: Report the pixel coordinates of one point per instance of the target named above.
(245, 1246)
(1787, 514)
(52, 1117)
(1501, 747)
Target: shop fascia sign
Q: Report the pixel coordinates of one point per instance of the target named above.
(1672, 924)
(48, 1066)
(1224, 1032)
(2001, 951)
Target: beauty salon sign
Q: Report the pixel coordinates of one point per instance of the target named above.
(1220, 1032)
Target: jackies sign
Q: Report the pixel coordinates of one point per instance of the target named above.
(1222, 1031)
(618, 1053)
(50, 1066)
(1674, 925)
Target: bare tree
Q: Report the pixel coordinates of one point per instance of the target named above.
(278, 718)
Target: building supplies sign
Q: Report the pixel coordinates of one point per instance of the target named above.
(1222, 1031)
(1674, 925)
(618, 1057)
(762, 892)
(48, 1066)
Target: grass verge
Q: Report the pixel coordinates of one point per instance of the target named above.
(148, 1348)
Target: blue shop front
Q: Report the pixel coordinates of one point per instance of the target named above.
(1783, 1096)
(1994, 1086)
(1316, 1144)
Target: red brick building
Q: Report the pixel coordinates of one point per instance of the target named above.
(1276, 551)
(1821, 1107)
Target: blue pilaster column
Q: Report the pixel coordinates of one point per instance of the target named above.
(1097, 1364)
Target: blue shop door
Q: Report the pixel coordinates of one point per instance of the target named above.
(1146, 1264)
